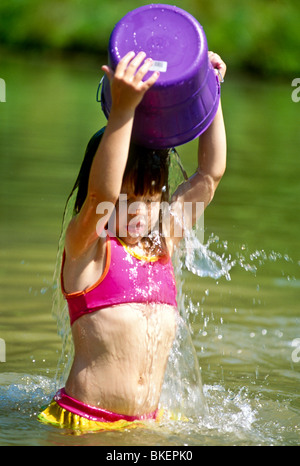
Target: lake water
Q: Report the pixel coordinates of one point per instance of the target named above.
(243, 317)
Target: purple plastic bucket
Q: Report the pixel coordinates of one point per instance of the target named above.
(184, 100)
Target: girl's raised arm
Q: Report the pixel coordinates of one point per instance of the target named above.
(105, 179)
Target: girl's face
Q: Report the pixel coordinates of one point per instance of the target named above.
(136, 216)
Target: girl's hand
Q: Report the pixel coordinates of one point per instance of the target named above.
(127, 85)
(218, 65)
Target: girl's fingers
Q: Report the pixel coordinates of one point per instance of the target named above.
(123, 64)
(108, 71)
(132, 68)
(134, 64)
(127, 85)
(150, 81)
(129, 64)
(143, 70)
(217, 63)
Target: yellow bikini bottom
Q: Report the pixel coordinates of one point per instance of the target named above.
(70, 413)
(61, 417)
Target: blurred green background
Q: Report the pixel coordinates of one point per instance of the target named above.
(258, 36)
(243, 329)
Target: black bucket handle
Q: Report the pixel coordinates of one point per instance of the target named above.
(98, 94)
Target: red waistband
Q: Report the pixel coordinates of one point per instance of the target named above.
(93, 413)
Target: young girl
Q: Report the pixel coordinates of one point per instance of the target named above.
(117, 274)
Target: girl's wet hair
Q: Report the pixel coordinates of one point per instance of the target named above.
(146, 171)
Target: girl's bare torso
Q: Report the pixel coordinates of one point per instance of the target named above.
(120, 357)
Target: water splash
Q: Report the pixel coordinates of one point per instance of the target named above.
(202, 261)
(182, 393)
(59, 305)
(24, 393)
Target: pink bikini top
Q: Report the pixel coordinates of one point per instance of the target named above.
(127, 278)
